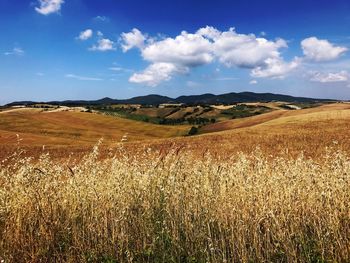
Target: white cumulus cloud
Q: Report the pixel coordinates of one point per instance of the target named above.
(253, 82)
(103, 44)
(240, 50)
(168, 56)
(319, 50)
(208, 44)
(325, 77)
(47, 7)
(186, 49)
(85, 35)
(132, 39)
(156, 73)
(275, 68)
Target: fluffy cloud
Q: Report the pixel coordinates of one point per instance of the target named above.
(168, 56)
(241, 50)
(274, 68)
(47, 7)
(156, 73)
(103, 44)
(322, 77)
(189, 50)
(253, 82)
(85, 35)
(186, 49)
(132, 39)
(321, 50)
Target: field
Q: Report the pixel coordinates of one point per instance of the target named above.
(267, 188)
(36, 128)
(282, 131)
(175, 114)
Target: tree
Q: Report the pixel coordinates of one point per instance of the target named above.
(193, 130)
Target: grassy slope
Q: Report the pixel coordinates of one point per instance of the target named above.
(154, 112)
(66, 128)
(183, 112)
(309, 130)
(280, 115)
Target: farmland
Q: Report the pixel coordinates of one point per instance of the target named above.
(36, 128)
(309, 130)
(272, 187)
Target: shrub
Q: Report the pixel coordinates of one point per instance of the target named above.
(193, 130)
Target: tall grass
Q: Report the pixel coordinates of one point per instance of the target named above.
(172, 207)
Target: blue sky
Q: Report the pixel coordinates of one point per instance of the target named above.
(85, 49)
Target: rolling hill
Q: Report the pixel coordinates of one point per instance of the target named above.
(309, 130)
(36, 128)
(281, 131)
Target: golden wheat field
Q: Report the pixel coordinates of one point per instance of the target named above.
(261, 189)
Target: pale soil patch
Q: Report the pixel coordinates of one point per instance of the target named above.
(222, 107)
(65, 108)
(271, 105)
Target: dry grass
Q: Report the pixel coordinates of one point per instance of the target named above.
(325, 113)
(181, 113)
(170, 207)
(208, 198)
(155, 112)
(308, 131)
(38, 128)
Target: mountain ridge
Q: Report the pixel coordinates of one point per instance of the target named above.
(206, 98)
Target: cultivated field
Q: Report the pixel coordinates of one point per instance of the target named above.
(57, 130)
(268, 188)
(307, 131)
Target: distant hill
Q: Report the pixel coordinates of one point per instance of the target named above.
(149, 99)
(207, 98)
(197, 99)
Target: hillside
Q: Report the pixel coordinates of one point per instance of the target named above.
(36, 128)
(279, 114)
(309, 130)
